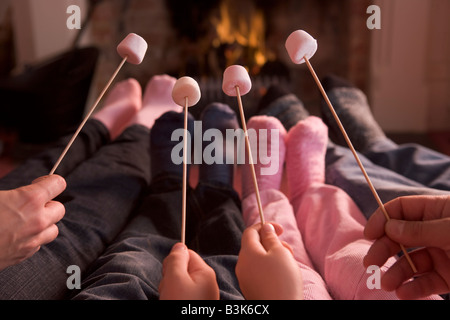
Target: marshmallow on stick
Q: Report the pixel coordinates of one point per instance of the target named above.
(186, 93)
(301, 47)
(236, 83)
(131, 49)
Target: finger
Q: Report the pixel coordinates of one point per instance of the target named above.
(48, 235)
(401, 271)
(251, 240)
(40, 221)
(269, 237)
(422, 287)
(176, 262)
(380, 251)
(196, 263)
(417, 207)
(54, 211)
(374, 228)
(287, 246)
(52, 185)
(431, 233)
(435, 267)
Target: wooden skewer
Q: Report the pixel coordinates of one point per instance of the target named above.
(72, 140)
(183, 208)
(355, 154)
(249, 152)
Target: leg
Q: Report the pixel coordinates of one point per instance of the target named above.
(100, 195)
(147, 240)
(342, 171)
(412, 161)
(277, 208)
(216, 208)
(330, 222)
(124, 99)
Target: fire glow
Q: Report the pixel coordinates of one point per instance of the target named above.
(243, 33)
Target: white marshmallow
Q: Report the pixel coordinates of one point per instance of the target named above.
(236, 76)
(133, 47)
(300, 45)
(186, 87)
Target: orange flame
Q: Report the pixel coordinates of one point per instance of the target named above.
(246, 28)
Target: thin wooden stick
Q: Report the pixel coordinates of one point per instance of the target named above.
(63, 154)
(355, 154)
(249, 152)
(183, 208)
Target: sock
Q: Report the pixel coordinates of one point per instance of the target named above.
(162, 145)
(222, 117)
(283, 105)
(120, 106)
(353, 109)
(157, 100)
(268, 173)
(305, 156)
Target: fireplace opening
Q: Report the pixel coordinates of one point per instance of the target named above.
(200, 38)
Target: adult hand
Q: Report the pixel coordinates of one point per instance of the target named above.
(186, 276)
(266, 268)
(28, 218)
(420, 222)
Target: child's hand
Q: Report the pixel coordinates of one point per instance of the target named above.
(416, 221)
(266, 268)
(187, 277)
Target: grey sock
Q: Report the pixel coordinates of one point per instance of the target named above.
(353, 109)
(284, 106)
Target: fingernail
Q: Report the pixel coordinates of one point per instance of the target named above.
(267, 227)
(179, 246)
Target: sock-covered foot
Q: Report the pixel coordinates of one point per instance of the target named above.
(353, 109)
(283, 105)
(161, 144)
(221, 117)
(120, 106)
(271, 148)
(157, 100)
(305, 156)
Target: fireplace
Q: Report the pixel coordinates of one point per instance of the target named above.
(200, 38)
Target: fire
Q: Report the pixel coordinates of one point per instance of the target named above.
(242, 29)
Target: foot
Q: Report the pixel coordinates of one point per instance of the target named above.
(283, 105)
(120, 106)
(167, 155)
(157, 100)
(305, 156)
(268, 154)
(221, 117)
(353, 109)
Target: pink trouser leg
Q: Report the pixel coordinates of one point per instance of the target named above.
(277, 209)
(332, 228)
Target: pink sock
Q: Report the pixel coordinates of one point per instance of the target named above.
(305, 156)
(120, 106)
(270, 155)
(157, 100)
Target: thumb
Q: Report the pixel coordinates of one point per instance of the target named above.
(177, 260)
(430, 233)
(269, 237)
(53, 185)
